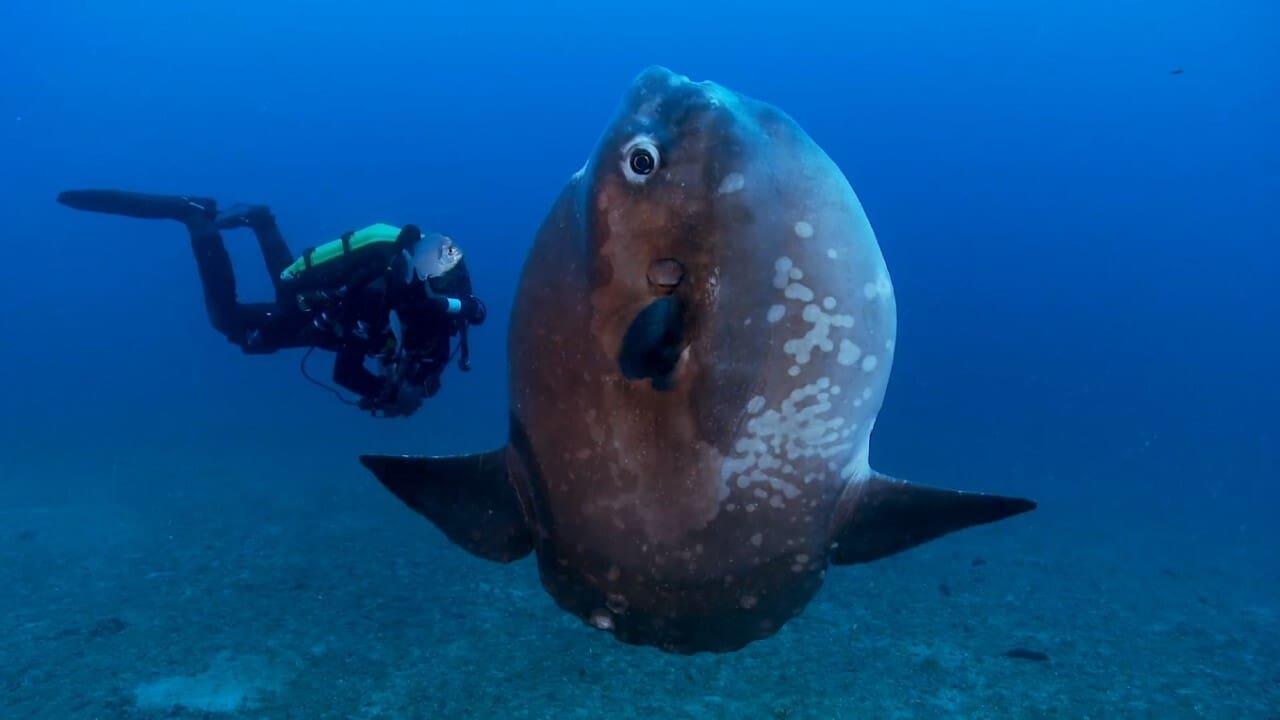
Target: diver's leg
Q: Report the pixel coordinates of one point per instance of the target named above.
(254, 327)
(269, 327)
(198, 215)
(258, 328)
(217, 278)
(275, 253)
(140, 205)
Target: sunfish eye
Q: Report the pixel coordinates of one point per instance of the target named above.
(642, 161)
(641, 158)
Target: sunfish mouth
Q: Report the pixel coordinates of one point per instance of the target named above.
(653, 343)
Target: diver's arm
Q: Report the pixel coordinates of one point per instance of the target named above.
(437, 307)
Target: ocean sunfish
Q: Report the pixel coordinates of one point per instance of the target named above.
(700, 343)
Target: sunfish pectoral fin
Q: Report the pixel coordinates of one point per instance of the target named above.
(880, 516)
(653, 342)
(469, 497)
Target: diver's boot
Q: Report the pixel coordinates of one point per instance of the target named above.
(184, 208)
(249, 216)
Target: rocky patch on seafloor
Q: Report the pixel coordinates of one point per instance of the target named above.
(230, 684)
(1021, 653)
(107, 627)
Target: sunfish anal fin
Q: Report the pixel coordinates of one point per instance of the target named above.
(880, 516)
(469, 497)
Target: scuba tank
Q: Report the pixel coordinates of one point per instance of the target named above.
(331, 264)
(320, 279)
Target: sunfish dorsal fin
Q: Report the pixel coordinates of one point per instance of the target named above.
(880, 516)
(469, 497)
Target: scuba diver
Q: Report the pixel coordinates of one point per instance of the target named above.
(382, 293)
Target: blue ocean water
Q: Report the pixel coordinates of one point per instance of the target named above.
(1076, 204)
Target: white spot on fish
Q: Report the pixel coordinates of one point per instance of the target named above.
(776, 313)
(732, 183)
(869, 363)
(880, 288)
(804, 229)
(793, 371)
(756, 404)
(819, 336)
(796, 291)
(828, 303)
(884, 286)
(849, 353)
(796, 274)
(833, 254)
(782, 272)
(757, 539)
(799, 430)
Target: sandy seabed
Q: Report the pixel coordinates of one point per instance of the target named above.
(346, 605)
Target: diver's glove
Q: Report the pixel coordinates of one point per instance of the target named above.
(407, 400)
(400, 400)
(403, 402)
(473, 310)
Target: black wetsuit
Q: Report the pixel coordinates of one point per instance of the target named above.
(351, 318)
(350, 315)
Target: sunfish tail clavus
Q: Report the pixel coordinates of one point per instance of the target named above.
(700, 344)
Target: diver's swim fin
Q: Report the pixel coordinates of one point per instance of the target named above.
(469, 497)
(881, 516)
(184, 208)
(242, 215)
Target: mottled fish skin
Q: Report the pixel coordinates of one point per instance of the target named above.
(698, 514)
(699, 346)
